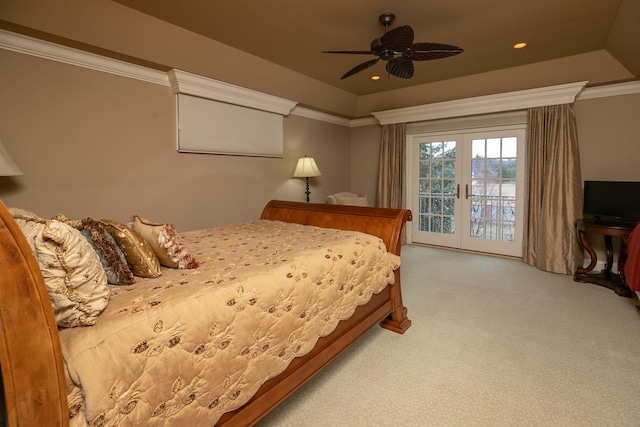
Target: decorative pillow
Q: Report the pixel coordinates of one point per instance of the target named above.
(142, 261)
(165, 242)
(72, 272)
(112, 257)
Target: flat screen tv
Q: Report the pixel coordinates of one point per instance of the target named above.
(619, 200)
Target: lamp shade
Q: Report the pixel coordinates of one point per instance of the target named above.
(306, 168)
(7, 166)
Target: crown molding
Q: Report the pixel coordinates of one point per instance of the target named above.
(55, 52)
(364, 121)
(331, 118)
(204, 87)
(509, 101)
(617, 89)
(318, 115)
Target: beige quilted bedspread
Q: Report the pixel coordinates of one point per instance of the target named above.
(190, 345)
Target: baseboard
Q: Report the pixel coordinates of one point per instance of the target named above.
(601, 265)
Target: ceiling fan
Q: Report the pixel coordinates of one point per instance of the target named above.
(396, 47)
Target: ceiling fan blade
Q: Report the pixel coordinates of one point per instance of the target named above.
(398, 39)
(359, 68)
(400, 67)
(352, 52)
(427, 51)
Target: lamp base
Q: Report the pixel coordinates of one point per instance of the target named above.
(307, 192)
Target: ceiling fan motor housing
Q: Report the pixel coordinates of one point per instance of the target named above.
(378, 49)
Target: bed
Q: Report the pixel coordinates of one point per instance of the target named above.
(36, 376)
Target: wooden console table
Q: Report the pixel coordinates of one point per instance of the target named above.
(606, 278)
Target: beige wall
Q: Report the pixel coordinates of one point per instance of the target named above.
(609, 135)
(365, 155)
(95, 144)
(609, 138)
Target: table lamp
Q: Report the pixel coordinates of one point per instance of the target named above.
(7, 166)
(306, 168)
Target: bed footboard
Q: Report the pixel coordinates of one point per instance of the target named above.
(387, 224)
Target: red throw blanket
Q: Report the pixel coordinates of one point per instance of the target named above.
(632, 265)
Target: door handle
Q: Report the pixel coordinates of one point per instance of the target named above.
(458, 191)
(466, 191)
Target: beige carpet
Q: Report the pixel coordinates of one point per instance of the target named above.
(494, 342)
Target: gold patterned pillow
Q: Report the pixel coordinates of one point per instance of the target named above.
(165, 242)
(72, 271)
(141, 258)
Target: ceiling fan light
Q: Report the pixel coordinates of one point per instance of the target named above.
(375, 78)
(519, 45)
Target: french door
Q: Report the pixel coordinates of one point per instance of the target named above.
(466, 189)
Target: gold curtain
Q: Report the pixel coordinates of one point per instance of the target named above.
(390, 189)
(554, 190)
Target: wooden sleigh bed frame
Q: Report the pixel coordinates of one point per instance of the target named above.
(34, 390)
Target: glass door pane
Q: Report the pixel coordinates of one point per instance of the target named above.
(493, 188)
(492, 193)
(435, 221)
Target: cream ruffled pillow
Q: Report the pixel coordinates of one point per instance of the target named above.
(165, 242)
(72, 271)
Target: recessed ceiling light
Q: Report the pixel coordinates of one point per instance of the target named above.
(375, 77)
(519, 45)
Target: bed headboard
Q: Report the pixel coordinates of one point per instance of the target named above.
(381, 222)
(32, 369)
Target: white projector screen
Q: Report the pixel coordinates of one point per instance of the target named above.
(208, 126)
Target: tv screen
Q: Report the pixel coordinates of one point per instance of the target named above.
(612, 200)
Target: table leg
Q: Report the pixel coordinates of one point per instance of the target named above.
(582, 236)
(608, 244)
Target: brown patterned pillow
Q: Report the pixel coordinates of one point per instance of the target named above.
(166, 243)
(111, 256)
(142, 261)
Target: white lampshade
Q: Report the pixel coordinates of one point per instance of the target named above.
(306, 168)
(7, 166)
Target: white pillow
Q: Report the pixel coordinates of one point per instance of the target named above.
(353, 201)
